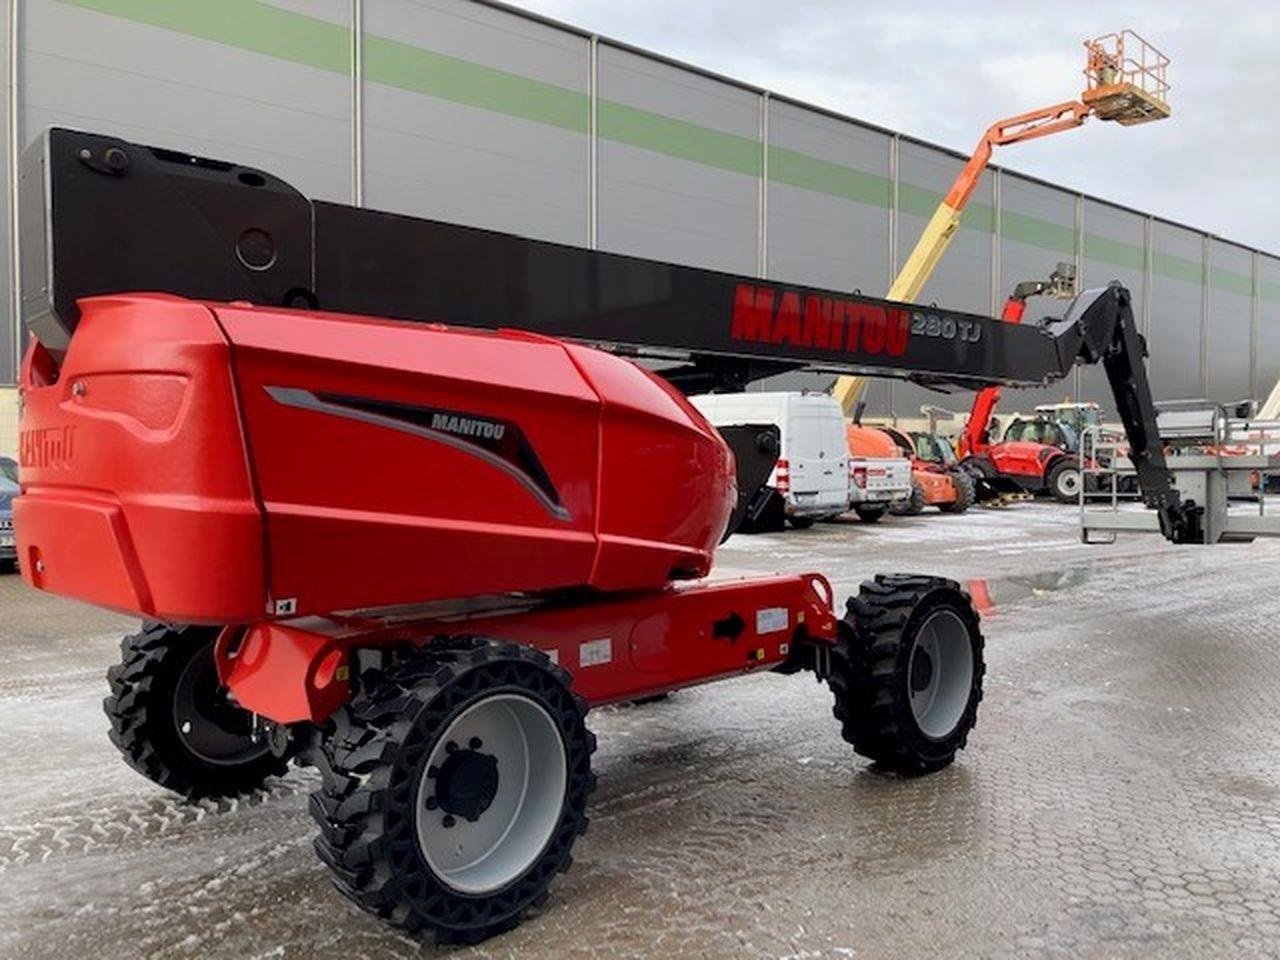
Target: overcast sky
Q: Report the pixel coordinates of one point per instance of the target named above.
(944, 71)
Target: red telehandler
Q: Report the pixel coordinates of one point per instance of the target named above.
(1011, 466)
(531, 538)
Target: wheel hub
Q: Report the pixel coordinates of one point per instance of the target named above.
(940, 674)
(921, 670)
(477, 830)
(208, 723)
(466, 783)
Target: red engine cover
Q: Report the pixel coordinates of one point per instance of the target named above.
(211, 463)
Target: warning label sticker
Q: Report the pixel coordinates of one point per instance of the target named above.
(771, 620)
(593, 653)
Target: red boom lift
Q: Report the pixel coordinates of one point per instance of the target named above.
(529, 538)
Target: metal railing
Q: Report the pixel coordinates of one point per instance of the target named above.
(1124, 57)
(1225, 463)
(1104, 480)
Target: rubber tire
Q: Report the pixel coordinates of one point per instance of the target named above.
(1051, 479)
(370, 766)
(912, 506)
(801, 523)
(871, 514)
(981, 466)
(966, 493)
(143, 726)
(870, 668)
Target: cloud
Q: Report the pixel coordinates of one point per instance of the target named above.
(944, 70)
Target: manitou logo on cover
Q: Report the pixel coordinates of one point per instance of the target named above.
(46, 447)
(766, 315)
(467, 426)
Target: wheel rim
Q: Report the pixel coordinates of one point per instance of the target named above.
(209, 725)
(491, 793)
(940, 675)
(1069, 483)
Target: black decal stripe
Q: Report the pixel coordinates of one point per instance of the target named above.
(416, 421)
(513, 447)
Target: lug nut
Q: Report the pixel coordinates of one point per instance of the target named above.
(476, 743)
(448, 821)
(432, 803)
(450, 747)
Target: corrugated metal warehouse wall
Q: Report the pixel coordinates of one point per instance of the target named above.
(479, 114)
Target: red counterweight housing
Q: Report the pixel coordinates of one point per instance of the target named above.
(212, 463)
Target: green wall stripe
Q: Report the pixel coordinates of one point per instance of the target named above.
(1115, 252)
(261, 28)
(1177, 268)
(246, 24)
(919, 202)
(678, 138)
(407, 67)
(834, 179)
(1231, 282)
(1038, 233)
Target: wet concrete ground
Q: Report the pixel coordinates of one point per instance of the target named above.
(1120, 798)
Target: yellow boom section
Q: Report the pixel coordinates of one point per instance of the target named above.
(907, 286)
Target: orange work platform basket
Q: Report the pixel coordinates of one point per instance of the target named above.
(1126, 79)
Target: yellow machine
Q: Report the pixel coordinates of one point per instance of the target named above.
(1125, 83)
(1270, 409)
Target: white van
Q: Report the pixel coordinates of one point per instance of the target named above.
(812, 474)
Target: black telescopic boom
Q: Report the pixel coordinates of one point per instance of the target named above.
(103, 215)
(100, 215)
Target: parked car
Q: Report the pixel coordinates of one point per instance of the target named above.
(9, 468)
(8, 490)
(811, 478)
(879, 475)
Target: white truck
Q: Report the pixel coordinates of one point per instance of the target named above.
(815, 477)
(879, 473)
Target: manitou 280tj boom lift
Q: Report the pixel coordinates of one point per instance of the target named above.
(528, 533)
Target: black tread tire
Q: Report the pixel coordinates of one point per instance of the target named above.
(966, 493)
(871, 514)
(801, 523)
(143, 726)
(981, 466)
(912, 506)
(1051, 478)
(869, 671)
(369, 763)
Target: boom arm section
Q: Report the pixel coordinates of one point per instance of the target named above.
(101, 215)
(1100, 327)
